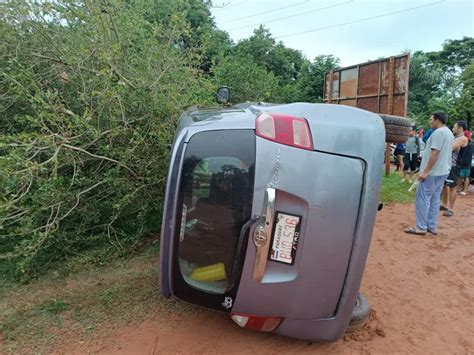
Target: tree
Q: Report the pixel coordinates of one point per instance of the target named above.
(285, 63)
(451, 61)
(466, 101)
(455, 54)
(311, 81)
(424, 84)
(258, 46)
(248, 81)
(91, 92)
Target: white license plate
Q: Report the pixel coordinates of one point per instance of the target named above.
(285, 238)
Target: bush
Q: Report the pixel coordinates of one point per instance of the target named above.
(247, 80)
(90, 96)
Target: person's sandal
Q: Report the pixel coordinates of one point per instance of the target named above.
(413, 230)
(431, 232)
(442, 208)
(448, 213)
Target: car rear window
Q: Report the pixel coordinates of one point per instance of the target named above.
(216, 193)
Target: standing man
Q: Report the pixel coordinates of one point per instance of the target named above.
(434, 168)
(465, 164)
(449, 191)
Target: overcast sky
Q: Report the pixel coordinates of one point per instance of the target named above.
(392, 30)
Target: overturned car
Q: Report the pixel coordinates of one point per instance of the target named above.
(269, 214)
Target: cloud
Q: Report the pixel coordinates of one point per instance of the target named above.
(422, 29)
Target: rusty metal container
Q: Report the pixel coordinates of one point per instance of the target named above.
(379, 86)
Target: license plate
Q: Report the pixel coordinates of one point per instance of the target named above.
(285, 238)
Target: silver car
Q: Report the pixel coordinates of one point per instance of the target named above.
(269, 214)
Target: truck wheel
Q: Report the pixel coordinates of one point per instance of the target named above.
(396, 128)
(360, 314)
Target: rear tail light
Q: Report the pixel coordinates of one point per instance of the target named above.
(263, 324)
(284, 129)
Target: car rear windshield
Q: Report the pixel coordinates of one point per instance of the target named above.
(216, 193)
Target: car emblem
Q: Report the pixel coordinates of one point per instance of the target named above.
(260, 237)
(227, 303)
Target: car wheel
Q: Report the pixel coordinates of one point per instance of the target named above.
(397, 129)
(360, 314)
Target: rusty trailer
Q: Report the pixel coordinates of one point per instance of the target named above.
(379, 86)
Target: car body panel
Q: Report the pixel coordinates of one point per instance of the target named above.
(315, 186)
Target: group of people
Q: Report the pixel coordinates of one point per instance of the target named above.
(445, 167)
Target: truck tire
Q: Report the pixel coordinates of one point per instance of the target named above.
(397, 128)
(360, 314)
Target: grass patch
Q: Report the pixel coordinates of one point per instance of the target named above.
(34, 316)
(393, 190)
(52, 307)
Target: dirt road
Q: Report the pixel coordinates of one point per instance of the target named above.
(421, 290)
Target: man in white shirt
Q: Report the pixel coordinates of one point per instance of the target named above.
(434, 168)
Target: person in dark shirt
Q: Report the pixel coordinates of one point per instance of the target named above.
(465, 165)
(427, 134)
(399, 154)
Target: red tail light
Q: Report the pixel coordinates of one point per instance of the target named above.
(263, 324)
(284, 129)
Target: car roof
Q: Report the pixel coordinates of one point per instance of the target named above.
(337, 129)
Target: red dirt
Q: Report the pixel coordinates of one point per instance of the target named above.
(421, 290)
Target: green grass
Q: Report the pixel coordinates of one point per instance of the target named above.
(36, 315)
(393, 190)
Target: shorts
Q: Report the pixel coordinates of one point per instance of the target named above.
(452, 179)
(410, 161)
(464, 172)
(398, 152)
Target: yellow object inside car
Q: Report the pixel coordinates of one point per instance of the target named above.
(214, 272)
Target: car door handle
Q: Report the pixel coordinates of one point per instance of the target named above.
(262, 234)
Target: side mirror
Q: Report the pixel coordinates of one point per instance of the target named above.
(223, 95)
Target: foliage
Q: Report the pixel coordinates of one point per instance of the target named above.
(436, 82)
(454, 56)
(248, 81)
(465, 104)
(285, 63)
(91, 96)
(423, 85)
(311, 84)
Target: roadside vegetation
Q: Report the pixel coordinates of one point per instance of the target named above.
(35, 316)
(90, 93)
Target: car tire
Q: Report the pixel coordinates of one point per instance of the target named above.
(397, 129)
(360, 314)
